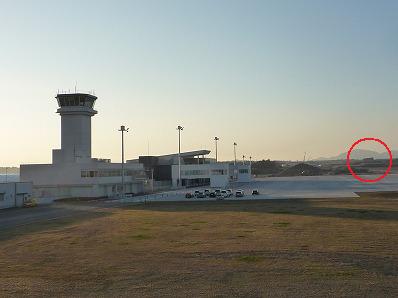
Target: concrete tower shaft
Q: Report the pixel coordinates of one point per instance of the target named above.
(76, 110)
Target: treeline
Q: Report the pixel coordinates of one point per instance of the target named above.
(266, 167)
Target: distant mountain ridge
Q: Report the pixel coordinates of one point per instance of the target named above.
(361, 154)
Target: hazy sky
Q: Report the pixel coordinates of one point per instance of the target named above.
(278, 77)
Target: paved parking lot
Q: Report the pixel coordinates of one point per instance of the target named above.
(342, 186)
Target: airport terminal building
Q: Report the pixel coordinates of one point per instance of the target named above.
(196, 170)
(74, 173)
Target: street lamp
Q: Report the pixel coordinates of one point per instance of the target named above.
(123, 129)
(250, 161)
(235, 153)
(179, 128)
(216, 139)
(243, 159)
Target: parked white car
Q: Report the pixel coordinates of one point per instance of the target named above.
(239, 193)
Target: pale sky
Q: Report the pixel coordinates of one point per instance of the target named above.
(278, 77)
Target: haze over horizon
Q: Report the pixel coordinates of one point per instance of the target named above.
(280, 79)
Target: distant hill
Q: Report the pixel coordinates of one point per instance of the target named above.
(361, 154)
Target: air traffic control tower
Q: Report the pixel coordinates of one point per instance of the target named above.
(76, 110)
(73, 172)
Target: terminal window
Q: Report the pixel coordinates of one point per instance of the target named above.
(196, 173)
(111, 173)
(218, 172)
(76, 101)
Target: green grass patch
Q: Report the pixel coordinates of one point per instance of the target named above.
(282, 212)
(250, 259)
(124, 243)
(281, 224)
(358, 210)
(141, 237)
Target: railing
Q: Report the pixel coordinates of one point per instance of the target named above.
(75, 90)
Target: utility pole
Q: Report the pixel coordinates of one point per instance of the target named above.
(216, 140)
(179, 128)
(123, 129)
(235, 169)
(235, 153)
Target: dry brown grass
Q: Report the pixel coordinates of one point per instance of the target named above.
(344, 247)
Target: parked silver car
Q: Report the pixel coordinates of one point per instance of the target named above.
(225, 194)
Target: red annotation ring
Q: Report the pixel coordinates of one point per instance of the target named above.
(349, 162)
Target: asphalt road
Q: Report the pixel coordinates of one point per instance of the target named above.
(10, 218)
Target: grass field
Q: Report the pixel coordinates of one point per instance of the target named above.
(340, 247)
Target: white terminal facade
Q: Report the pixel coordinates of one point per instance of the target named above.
(74, 173)
(196, 170)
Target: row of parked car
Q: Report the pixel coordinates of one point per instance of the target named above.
(218, 193)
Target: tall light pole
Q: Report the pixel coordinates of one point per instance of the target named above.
(235, 153)
(152, 179)
(216, 140)
(179, 128)
(243, 159)
(123, 129)
(250, 158)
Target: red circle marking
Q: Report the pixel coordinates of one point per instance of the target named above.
(349, 162)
